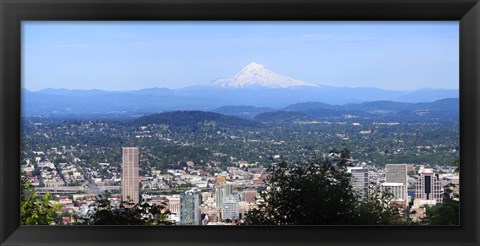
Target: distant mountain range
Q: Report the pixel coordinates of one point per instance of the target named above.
(254, 86)
(444, 109)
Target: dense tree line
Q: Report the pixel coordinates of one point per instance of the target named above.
(128, 213)
(193, 119)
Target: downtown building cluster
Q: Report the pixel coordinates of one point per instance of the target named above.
(412, 190)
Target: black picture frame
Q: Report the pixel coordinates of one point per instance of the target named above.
(14, 11)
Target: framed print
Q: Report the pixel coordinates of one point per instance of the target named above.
(253, 123)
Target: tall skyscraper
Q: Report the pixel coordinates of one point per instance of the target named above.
(359, 181)
(230, 208)
(130, 174)
(428, 189)
(222, 192)
(397, 173)
(190, 210)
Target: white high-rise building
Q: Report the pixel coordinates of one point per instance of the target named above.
(397, 189)
(359, 181)
(130, 174)
(190, 210)
(230, 209)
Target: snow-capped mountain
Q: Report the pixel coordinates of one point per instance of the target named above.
(255, 74)
(253, 90)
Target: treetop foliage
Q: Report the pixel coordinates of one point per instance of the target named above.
(319, 193)
(36, 209)
(128, 213)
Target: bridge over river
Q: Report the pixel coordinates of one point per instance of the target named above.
(87, 188)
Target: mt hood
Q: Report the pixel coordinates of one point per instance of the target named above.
(255, 74)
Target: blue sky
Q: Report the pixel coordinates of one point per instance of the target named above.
(136, 55)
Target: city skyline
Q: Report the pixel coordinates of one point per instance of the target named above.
(136, 55)
(242, 123)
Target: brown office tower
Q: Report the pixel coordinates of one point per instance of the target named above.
(130, 178)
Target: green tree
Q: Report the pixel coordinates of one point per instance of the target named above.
(103, 213)
(379, 210)
(318, 193)
(447, 213)
(35, 209)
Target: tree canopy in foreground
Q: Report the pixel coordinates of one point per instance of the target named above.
(36, 209)
(320, 193)
(103, 213)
